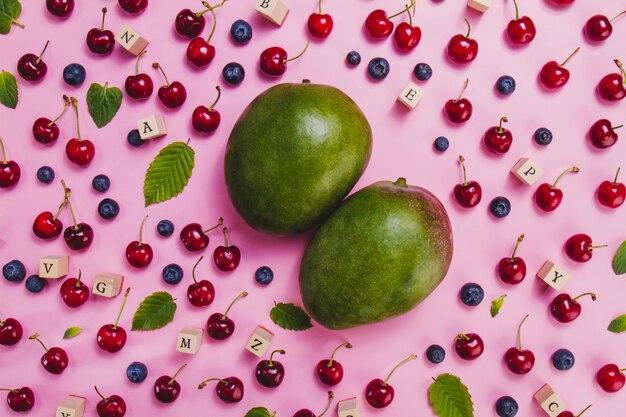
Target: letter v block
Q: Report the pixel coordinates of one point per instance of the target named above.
(553, 275)
(260, 341)
(54, 267)
(189, 340)
(131, 40)
(273, 10)
(347, 408)
(549, 402)
(151, 127)
(107, 285)
(527, 171)
(411, 95)
(71, 406)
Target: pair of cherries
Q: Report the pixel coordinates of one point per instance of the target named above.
(195, 239)
(380, 26)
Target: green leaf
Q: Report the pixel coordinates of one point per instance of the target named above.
(449, 397)
(169, 173)
(260, 412)
(8, 89)
(155, 311)
(9, 12)
(619, 261)
(103, 103)
(618, 325)
(496, 305)
(72, 332)
(290, 317)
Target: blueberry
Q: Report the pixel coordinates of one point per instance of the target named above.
(45, 175)
(108, 209)
(435, 353)
(500, 207)
(441, 144)
(134, 139)
(74, 74)
(264, 275)
(101, 183)
(506, 407)
(378, 68)
(423, 71)
(543, 136)
(173, 274)
(353, 58)
(233, 73)
(14, 271)
(137, 372)
(165, 228)
(472, 294)
(35, 284)
(563, 360)
(505, 85)
(241, 31)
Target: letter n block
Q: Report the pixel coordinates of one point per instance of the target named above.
(189, 340)
(151, 127)
(549, 402)
(347, 408)
(273, 10)
(553, 275)
(479, 5)
(107, 285)
(527, 171)
(131, 40)
(411, 95)
(54, 267)
(260, 341)
(71, 406)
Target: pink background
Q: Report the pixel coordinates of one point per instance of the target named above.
(402, 147)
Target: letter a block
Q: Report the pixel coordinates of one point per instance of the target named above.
(260, 341)
(527, 171)
(549, 402)
(54, 267)
(189, 340)
(411, 95)
(273, 10)
(71, 406)
(130, 40)
(553, 275)
(151, 127)
(479, 5)
(107, 285)
(347, 408)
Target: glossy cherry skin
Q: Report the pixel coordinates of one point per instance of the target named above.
(270, 376)
(610, 378)
(164, 391)
(78, 237)
(173, 95)
(468, 194)
(611, 194)
(553, 76)
(407, 37)
(378, 394)
(139, 86)
(521, 31)
(31, 67)
(547, 197)
(194, 238)
(498, 140)
(598, 28)
(458, 110)
(611, 87)
(219, 327)
(22, 399)
(578, 247)
(200, 52)
(562, 2)
(377, 25)
(55, 360)
(45, 131)
(273, 61)
(230, 391)
(11, 332)
(304, 413)
(80, 152)
(111, 338)
(469, 346)
(320, 25)
(461, 49)
(519, 361)
(113, 406)
(205, 120)
(227, 258)
(10, 174)
(133, 6)
(189, 24)
(564, 309)
(602, 134)
(566, 414)
(74, 295)
(100, 41)
(46, 226)
(512, 271)
(60, 8)
(329, 375)
(138, 254)
(201, 293)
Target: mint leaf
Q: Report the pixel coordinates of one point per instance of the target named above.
(155, 311)
(618, 325)
(449, 397)
(72, 332)
(260, 412)
(290, 317)
(619, 261)
(169, 173)
(496, 305)
(9, 12)
(8, 89)
(103, 103)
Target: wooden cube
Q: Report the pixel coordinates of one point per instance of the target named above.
(347, 408)
(71, 406)
(411, 95)
(260, 341)
(527, 171)
(131, 40)
(151, 127)
(273, 10)
(553, 275)
(54, 267)
(549, 402)
(189, 340)
(479, 5)
(107, 285)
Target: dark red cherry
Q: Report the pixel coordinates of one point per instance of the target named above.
(602, 134)
(31, 67)
(200, 293)
(167, 389)
(79, 236)
(270, 373)
(611, 378)
(54, 360)
(469, 346)
(379, 26)
(570, 414)
(47, 225)
(189, 23)
(200, 52)
(612, 87)
(320, 25)
(305, 412)
(521, 30)
(80, 151)
(10, 171)
(564, 308)
(547, 196)
(378, 393)
(554, 75)
(171, 95)
(11, 331)
(74, 293)
(512, 270)
(133, 6)
(138, 253)
(579, 247)
(229, 390)
(194, 238)
(140, 85)
(227, 257)
(113, 406)
(468, 193)
(330, 371)
(274, 60)
(111, 337)
(20, 399)
(220, 326)
(599, 27)
(519, 361)
(60, 8)
(206, 120)
(462, 49)
(612, 193)
(46, 131)
(101, 41)
(497, 138)
(459, 110)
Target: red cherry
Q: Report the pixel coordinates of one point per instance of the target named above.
(305, 412)
(74, 293)
(553, 75)
(200, 52)
(459, 110)
(570, 414)
(229, 390)
(226, 257)
(80, 151)
(133, 6)
(11, 331)
(512, 270)
(54, 360)
(138, 253)
(201, 293)
(378, 393)
(579, 247)
(611, 378)
(320, 25)
(468, 193)
(47, 226)
(60, 8)
(564, 308)
(547, 196)
(274, 60)
(10, 171)
(99, 40)
(219, 326)
(194, 238)
(379, 26)
(521, 30)
(562, 2)
(518, 360)
(270, 373)
(167, 389)
(20, 399)
(469, 346)
(80, 235)
(612, 193)
(111, 337)
(190, 24)
(140, 85)
(171, 95)
(46, 131)
(113, 406)
(599, 27)
(498, 139)
(612, 87)
(602, 134)
(407, 36)
(31, 67)
(206, 120)
(462, 49)
(329, 371)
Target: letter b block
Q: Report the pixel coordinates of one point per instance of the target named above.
(347, 408)
(553, 275)
(71, 406)
(130, 40)
(527, 171)
(54, 267)
(549, 402)
(151, 127)
(479, 5)
(273, 10)
(107, 285)
(411, 95)
(260, 341)
(189, 340)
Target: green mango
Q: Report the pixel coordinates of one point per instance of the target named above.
(383, 251)
(295, 152)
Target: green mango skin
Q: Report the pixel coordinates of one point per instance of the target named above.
(377, 256)
(295, 152)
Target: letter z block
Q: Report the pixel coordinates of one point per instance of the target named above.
(151, 127)
(527, 171)
(107, 285)
(553, 275)
(411, 95)
(273, 10)
(549, 402)
(347, 408)
(189, 340)
(479, 5)
(260, 341)
(71, 406)
(54, 267)
(131, 40)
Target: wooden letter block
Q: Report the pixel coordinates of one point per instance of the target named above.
(107, 285)
(151, 127)
(411, 95)
(54, 267)
(553, 275)
(527, 171)
(347, 408)
(479, 5)
(260, 341)
(189, 340)
(549, 402)
(130, 40)
(71, 406)
(273, 10)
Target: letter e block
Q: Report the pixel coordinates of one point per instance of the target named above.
(273, 10)
(553, 275)
(260, 341)
(151, 127)
(411, 95)
(107, 285)
(479, 5)
(189, 340)
(71, 406)
(527, 171)
(549, 402)
(347, 408)
(130, 40)
(54, 267)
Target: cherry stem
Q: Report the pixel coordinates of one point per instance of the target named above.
(239, 297)
(209, 7)
(570, 57)
(503, 119)
(331, 395)
(572, 169)
(469, 28)
(104, 13)
(101, 396)
(4, 153)
(516, 10)
(75, 105)
(462, 160)
(617, 127)
(270, 363)
(461, 336)
(219, 223)
(519, 240)
(67, 202)
(226, 236)
(204, 383)
(193, 271)
(214, 26)
(36, 337)
(583, 412)
(408, 11)
(67, 106)
(143, 222)
(160, 68)
(219, 94)
(319, 7)
(141, 54)
(78, 280)
(410, 358)
(616, 175)
(592, 295)
(590, 248)
(621, 68)
(403, 10)
(171, 381)
(519, 333)
(623, 370)
(346, 345)
(9, 389)
(117, 320)
(300, 54)
(42, 51)
(464, 88)
(615, 17)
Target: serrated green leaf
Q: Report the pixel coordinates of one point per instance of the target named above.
(496, 305)
(155, 311)
(618, 325)
(72, 332)
(260, 412)
(290, 317)
(8, 89)
(103, 103)
(169, 173)
(449, 397)
(619, 261)
(9, 12)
